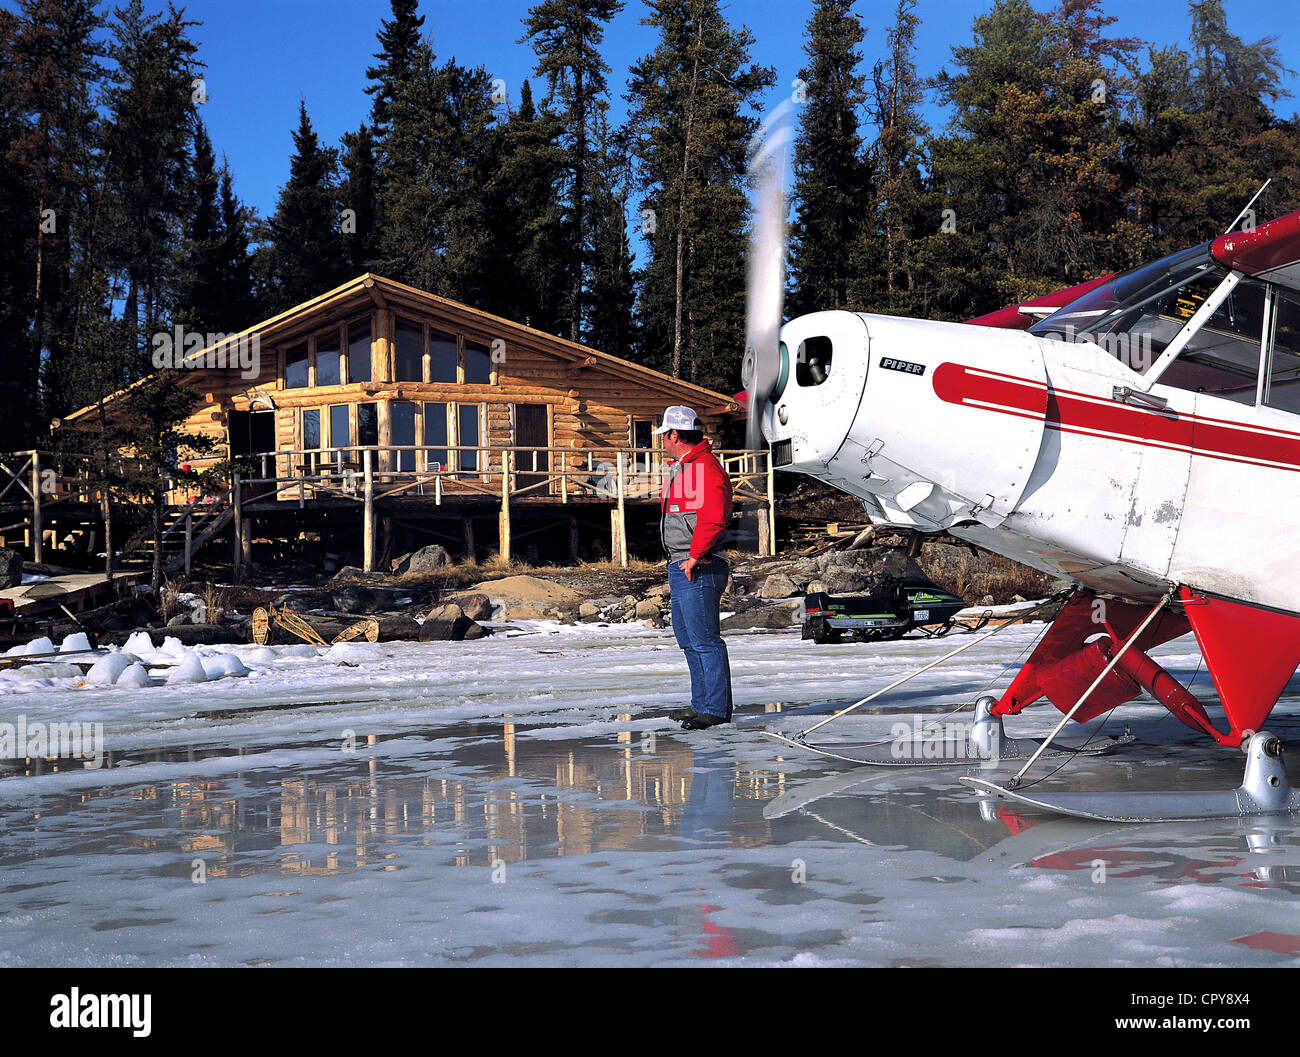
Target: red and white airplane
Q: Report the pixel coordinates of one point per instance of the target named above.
(1138, 434)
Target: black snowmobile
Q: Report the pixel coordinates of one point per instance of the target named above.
(896, 607)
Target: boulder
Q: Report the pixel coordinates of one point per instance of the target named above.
(588, 612)
(476, 606)
(11, 568)
(778, 585)
(423, 562)
(528, 594)
(777, 616)
(863, 571)
(353, 598)
(646, 609)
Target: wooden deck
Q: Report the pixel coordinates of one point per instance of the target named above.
(45, 498)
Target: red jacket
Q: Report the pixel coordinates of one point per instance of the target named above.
(695, 508)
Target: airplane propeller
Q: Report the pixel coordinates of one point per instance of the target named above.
(766, 280)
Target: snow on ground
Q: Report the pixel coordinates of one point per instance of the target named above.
(522, 800)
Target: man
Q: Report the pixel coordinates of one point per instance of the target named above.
(695, 511)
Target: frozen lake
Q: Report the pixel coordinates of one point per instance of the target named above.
(519, 801)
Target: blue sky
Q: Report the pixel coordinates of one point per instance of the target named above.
(263, 57)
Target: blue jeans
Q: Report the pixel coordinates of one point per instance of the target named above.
(695, 605)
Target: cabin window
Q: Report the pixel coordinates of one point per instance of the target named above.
(644, 442)
(367, 425)
(295, 367)
(403, 413)
(328, 360)
(478, 364)
(1282, 383)
(1222, 358)
(311, 429)
(813, 361)
(408, 356)
(359, 350)
(442, 357)
(340, 434)
(435, 436)
(468, 434)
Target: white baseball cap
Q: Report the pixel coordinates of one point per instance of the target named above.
(679, 417)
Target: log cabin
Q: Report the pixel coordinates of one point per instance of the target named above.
(433, 420)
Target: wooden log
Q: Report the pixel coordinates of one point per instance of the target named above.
(238, 524)
(622, 513)
(573, 538)
(189, 543)
(37, 527)
(467, 525)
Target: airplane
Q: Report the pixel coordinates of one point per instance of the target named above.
(1137, 435)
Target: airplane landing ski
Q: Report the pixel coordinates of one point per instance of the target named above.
(1263, 791)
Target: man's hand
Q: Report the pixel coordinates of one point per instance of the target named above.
(688, 566)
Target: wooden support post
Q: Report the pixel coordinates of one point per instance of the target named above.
(622, 510)
(467, 524)
(573, 537)
(505, 505)
(771, 506)
(189, 543)
(239, 525)
(368, 514)
(764, 532)
(37, 527)
(614, 554)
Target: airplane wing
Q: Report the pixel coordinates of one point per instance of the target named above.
(1025, 315)
(1270, 251)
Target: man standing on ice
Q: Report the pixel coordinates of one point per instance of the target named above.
(695, 511)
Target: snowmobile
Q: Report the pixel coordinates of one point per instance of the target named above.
(890, 612)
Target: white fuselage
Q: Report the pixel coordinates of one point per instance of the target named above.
(1029, 447)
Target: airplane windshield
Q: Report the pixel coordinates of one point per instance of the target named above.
(1134, 316)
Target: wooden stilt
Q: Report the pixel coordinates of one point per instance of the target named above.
(764, 532)
(771, 506)
(506, 460)
(467, 525)
(573, 538)
(189, 543)
(246, 542)
(239, 525)
(37, 527)
(368, 514)
(622, 509)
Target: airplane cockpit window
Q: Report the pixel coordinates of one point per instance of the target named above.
(1135, 316)
(813, 361)
(1282, 383)
(1222, 358)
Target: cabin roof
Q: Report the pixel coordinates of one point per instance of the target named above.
(368, 291)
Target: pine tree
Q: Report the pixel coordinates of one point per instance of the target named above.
(566, 36)
(611, 323)
(358, 193)
(900, 157)
(399, 37)
(199, 301)
(688, 100)
(531, 280)
(306, 253)
(832, 177)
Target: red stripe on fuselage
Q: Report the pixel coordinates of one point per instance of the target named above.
(1092, 415)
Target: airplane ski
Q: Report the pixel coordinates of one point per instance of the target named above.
(955, 754)
(1264, 791)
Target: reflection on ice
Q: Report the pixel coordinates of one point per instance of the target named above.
(524, 802)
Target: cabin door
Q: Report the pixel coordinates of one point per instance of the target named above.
(252, 433)
(532, 431)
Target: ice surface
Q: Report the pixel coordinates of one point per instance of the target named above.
(523, 800)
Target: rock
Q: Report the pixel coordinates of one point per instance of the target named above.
(1019, 598)
(778, 616)
(179, 620)
(987, 600)
(353, 598)
(11, 568)
(647, 608)
(352, 572)
(423, 562)
(778, 585)
(476, 606)
(398, 563)
(530, 594)
(629, 602)
(861, 572)
(658, 591)
(448, 613)
(815, 587)
(588, 611)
